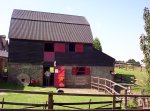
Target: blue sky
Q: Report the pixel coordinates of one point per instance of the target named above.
(117, 23)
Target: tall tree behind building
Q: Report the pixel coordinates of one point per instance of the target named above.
(145, 47)
(97, 44)
(145, 39)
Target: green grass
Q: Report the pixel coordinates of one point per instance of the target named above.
(141, 77)
(33, 98)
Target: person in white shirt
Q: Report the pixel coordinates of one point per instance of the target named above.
(47, 77)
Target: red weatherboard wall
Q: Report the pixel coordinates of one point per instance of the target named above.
(59, 47)
(79, 48)
(49, 56)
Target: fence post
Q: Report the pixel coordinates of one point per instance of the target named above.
(114, 101)
(91, 81)
(98, 84)
(50, 100)
(105, 86)
(125, 99)
(141, 68)
(133, 67)
(89, 103)
(3, 103)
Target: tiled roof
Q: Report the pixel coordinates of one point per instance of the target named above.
(31, 25)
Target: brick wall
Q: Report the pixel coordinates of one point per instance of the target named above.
(35, 72)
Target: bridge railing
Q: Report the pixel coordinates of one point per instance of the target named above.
(108, 86)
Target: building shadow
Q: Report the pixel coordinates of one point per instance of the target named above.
(124, 78)
(4, 84)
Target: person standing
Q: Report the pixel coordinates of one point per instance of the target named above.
(47, 77)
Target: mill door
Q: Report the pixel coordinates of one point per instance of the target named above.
(59, 76)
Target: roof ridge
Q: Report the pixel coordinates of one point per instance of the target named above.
(50, 13)
(52, 21)
(47, 16)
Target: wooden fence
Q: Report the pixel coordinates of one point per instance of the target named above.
(130, 67)
(108, 86)
(50, 101)
(50, 104)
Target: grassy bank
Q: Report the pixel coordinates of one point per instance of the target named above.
(141, 77)
(32, 98)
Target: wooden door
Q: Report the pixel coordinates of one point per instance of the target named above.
(59, 76)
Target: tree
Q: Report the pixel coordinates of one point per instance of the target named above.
(133, 62)
(145, 40)
(97, 44)
(145, 47)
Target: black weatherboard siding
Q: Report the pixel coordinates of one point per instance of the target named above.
(24, 51)
(90, 57)
(30, 30)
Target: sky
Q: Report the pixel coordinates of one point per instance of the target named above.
(117, 23)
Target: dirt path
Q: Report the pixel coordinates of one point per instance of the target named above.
(81, 91)
(2, 93)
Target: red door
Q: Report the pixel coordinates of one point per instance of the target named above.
(59, 76)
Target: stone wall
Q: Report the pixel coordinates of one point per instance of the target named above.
(75, 80)
(25, 71)
(84, 80)
(102, 71)
(35, 72)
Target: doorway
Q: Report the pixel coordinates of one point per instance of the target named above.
(48, 81)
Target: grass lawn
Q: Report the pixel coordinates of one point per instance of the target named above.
(141, 76)
(32, 98)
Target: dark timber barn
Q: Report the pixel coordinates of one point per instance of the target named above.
(59, 43)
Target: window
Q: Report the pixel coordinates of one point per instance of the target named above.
(80, 71)
(78, 47)
(72, 47)
(49, 47)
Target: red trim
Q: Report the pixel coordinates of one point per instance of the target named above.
(79, 48)
(59, 47)
(87, 70)
(49, 56)
(59, 78)
(74, 70)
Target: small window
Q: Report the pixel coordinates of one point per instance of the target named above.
(49, 47)
(80, 71)
(72, 47)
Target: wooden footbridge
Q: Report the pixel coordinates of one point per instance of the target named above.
(123, 93)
